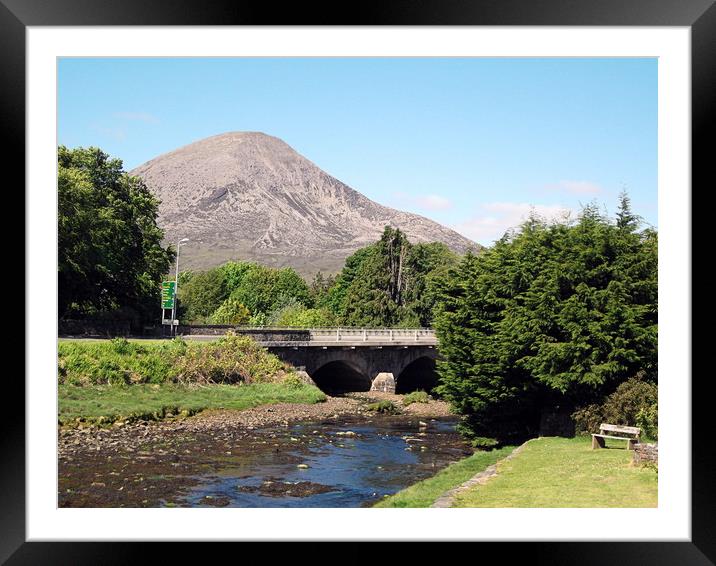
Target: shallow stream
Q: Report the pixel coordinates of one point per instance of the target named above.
(328, 464)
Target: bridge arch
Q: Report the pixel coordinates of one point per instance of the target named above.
(419, 374)
(341, 376)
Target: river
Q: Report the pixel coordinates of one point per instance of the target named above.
(345, 464)
(349, 461)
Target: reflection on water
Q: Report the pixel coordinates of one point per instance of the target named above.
(331, 464)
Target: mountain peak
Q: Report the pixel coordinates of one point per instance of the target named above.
(249, 195)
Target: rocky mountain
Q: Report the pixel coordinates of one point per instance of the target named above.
(248, 195)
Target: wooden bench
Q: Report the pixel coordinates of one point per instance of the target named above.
(628, 433)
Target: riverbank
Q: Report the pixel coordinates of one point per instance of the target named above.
(545, 472)
(566, 472)
(150, 464)
(117, 406)
(426, 492)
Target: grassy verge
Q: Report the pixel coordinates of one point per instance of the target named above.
(562, 472)
(101, 382)
(231, 359)
(104, 404)
(105, 340)
(424, 493)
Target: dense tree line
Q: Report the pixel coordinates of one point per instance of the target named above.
(247, 293)
(389, 283)
(552, 316)
(110, 257)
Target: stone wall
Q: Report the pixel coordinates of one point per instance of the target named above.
(258, 334)
(644, 453)
(96, 328)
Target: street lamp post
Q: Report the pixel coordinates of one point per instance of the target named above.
(176, 286)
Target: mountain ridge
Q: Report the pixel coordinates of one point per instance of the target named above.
(249, 195)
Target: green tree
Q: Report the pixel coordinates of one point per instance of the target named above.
(391, 283)
(320, 288)
(261, 288)
(203, 294)
(298, 316)
(231, 311)
(377, 293)
(552, 315)
(109, 245)
(428, 268)
(335, 299)
(233, 273)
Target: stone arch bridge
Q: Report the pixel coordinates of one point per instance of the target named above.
(353, 359)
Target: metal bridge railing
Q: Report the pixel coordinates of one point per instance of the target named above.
(371, 334)
(324, 335)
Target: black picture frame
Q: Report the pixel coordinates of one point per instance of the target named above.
(699, 15)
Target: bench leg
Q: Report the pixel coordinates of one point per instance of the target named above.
(597, 442)
(631, 443)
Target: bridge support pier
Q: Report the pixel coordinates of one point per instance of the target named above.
(384, 381)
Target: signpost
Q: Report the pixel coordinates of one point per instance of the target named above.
(168, 301)
(168, 294)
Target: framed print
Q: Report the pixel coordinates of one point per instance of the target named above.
(584, 106)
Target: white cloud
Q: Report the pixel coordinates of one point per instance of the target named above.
(577, 187)
(494, 219)
(433, 202)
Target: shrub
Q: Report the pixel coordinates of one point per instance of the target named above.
(648, 419)
(587, 419)
(622, 407)
(416, 397)
(293, 381)
(233, 359)
(231, 311)
(484, 443)
(384, 407)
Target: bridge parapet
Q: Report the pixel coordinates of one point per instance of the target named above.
(321, 336)
(371, 336)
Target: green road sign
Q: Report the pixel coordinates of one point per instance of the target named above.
(168, 294)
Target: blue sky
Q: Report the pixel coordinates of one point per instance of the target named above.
(471, 143)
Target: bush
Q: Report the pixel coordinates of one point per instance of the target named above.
(416, 397)
(587, 419)
(231, 311)
(484, 443)
(233, 359)
(623, 407)
(117, 362)
(648, 419)
(293, 381)
(384, 407)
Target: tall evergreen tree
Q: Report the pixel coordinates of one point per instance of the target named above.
(552, 314)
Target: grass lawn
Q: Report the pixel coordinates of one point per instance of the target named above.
(566, 472)
(424, 493)
(151, 402)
